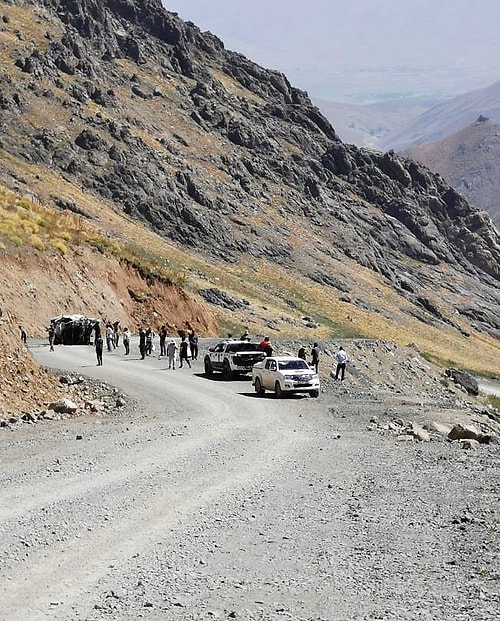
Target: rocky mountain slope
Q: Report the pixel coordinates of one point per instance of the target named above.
(121, 113)
(470, 161)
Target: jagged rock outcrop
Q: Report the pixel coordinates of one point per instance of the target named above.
(469, 161)
(218, 154)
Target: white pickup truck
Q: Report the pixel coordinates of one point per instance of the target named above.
(283, 375)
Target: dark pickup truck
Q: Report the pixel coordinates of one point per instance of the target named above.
(232, 358)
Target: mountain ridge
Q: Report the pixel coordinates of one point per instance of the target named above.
(447, 118)
(118, 110)
(468, 160)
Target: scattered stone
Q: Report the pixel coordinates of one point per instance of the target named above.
(440, 428)
(63, 406)
(29, 417)
(71, 380)
(405, 438)
(420, 433)
(220, 298)
(468, 432)
(469, 443)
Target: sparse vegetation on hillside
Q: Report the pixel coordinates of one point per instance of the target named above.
(28, 223)
(495, 402)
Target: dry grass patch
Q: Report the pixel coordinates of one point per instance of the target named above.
(32, 22)
(494, 401)
(169, 84)
(233, 87)
(27, 223)
(24, 223)
(289, 146)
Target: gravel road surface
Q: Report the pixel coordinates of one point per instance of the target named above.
(202, 501)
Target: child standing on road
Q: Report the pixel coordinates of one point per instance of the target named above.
(171, 351)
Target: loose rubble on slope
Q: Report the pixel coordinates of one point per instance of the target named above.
(83, 396)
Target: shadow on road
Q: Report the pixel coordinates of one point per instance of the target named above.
(271, 395)
(218, 377)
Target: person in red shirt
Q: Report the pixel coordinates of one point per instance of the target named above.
(266, 346)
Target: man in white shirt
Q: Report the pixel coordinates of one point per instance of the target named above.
(341, 358)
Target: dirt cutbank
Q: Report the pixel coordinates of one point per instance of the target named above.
(35, 287)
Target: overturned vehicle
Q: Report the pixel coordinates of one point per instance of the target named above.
(73, 329)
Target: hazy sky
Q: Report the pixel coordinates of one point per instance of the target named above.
(361, 50)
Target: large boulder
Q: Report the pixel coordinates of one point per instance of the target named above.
(63, 406)
(463, 379)
(468, 432)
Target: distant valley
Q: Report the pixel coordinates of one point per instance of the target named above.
(444, 136)
(372, 125)
(400, 124)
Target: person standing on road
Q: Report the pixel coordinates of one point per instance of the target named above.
(266, 346)
(99, 345)
(149, 341)
(24, 336)
(341, 358)
(142, 343)
(245, 336)
(110, 337)
(163, 338)
(183, 353)
(126, 340)
(315, 357)
(51, 333)
(193, 344)
(302, 352)
(171, 351)
(116, 333)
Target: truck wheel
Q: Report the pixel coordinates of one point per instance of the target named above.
(314, 393)
(259, 389)
(208, 367)
(277, 390)
(226, 370)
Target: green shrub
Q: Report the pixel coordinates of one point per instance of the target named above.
(59, 245)
(37, 243)
(494, 401)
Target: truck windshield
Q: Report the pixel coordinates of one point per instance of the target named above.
(287, 365)
(236, 347)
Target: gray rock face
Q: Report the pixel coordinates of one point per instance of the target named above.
(220, 298)
(464, 379)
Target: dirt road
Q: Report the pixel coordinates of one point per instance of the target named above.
(206, 502)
